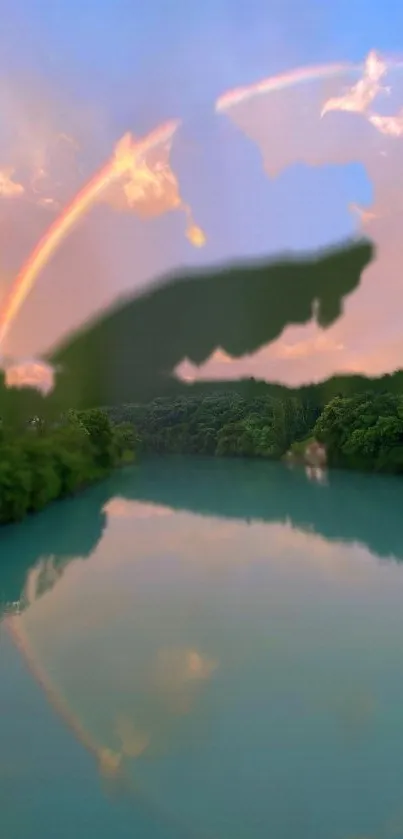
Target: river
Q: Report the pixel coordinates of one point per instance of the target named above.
(205, 648)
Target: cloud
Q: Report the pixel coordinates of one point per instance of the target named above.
(50, 147)
(364, 216)
(283, 118)
(392, 126)
(221, 357)
(148, 185)
(138, 178)
(30, 373)
(9, 188)
(285, 359)
(189, 372)
(363, 93)
(37, 138)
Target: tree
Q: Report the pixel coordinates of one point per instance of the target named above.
(98, 427)
(125, 441)
(15, 484)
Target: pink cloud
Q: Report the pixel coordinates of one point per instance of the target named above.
(359, 97)
(9, 188)
(111, 253)
(30, 374)
(286, 126)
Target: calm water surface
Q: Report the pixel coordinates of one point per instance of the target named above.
(203, 648)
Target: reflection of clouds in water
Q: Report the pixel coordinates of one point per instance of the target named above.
(216, 544)
(124, 508)
(262, 639)
(89, 619)
(42, 577)
(174, 680)
(109, 762)
(80, 629)
(133, 741)
(219, 544)
(179, 672)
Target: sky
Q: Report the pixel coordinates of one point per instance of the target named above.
(259, 179)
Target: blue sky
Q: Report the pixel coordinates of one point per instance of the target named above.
(189, 49)
(144, 63)
(147, 62)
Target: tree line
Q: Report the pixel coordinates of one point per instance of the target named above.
(42, 462)
(360, 431)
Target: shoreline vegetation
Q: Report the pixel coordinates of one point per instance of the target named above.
(41, 462)
(361, 431)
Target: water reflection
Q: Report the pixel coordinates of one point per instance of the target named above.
(356, 508)
(317, 475)
(230, 635)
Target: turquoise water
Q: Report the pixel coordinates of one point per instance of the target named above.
(203, 648)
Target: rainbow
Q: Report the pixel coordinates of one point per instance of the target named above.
(300, 75)
(82, 202)
(282, 81)
(13, 625)
(107, 761)
(118, 166)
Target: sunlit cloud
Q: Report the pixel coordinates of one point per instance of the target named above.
(50, 204)
(148, 184)
(303, 349)
(359, 97)
(9, 188)
(392, 126)
(221, 357)
(50, 146)
(297, 344)
(41, 135)
(364, 216)
(139, 172)
(30, 373)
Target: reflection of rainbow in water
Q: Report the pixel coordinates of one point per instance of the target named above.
(109, 762)
(14, 626)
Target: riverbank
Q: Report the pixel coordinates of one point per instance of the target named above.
(363, 431)
(40, 464)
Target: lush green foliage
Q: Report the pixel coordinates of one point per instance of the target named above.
(40, 464)
(363, 431)
(220, 424)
